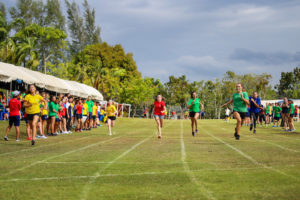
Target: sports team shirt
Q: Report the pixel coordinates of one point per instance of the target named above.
(62, 111)
(79, 109)
(14, 107)
(45, 111)
(95, 110)
(111, 110)
(35, 101)
(267, 109)
(57, 109)
(277, 111)
(85, 109)
(238, 104)
(253, 108)
(159, 107)
(51, 109)
(292, 108)
(90, 105)
(195, 107)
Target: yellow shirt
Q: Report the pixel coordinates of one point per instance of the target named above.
(95, 110)
(85, 109)
(72, 106)
(45, 111)
(111, 110)
(35, 101)
(102, 112)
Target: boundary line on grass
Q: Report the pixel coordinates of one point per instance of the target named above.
(132, 174)
(207, 193)
(63, 154)
(247, 156)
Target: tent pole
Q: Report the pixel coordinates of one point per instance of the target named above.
(129, 111)
(122, 111)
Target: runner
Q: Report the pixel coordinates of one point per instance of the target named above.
(291, 116)
(159, 113)
(262, 115)
(14, 115)
(32, 107)
(111, 113)
(285, 113)
(194, 108)
(254, 110)
(277, 110)
(240, 101)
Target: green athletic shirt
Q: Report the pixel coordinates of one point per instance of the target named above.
(276, 111)
(51, 107)
(292, 107)
(195, 106)
(267, 109)
(90, 105)
(56, 108)
(238, 104)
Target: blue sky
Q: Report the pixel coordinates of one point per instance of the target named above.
(203, 38)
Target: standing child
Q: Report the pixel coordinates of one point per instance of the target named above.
(291, 116)
(95, 113)
(277, 110)
(14, 115)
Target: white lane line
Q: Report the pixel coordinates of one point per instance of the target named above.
(132, 174)
(208, 194)
(60, 155)
(247, 156)
(271, 143)
(87, 187)
(47, 145)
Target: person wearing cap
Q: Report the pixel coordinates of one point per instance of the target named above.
(14, 115)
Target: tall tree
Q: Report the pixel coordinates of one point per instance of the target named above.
(289, 84)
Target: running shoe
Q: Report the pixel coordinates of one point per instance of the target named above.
(32, 142)
(54, 134)
(110, 134)
(237, 137)
(254, 131)
(37, 137)
(29, 138)
(196, 130)
(277, 126)
(5, 138)
(251, 127)
(18, 140)
(193, 133)
(159, 137)
(44, 137)
(273, 126)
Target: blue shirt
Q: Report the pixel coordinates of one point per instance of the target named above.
(253, 108)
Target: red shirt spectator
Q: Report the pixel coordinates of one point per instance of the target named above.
(62, 111)
(79, 109)
(159, 107)
(14, 107)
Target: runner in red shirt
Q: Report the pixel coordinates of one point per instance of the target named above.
(14, 115)
(159, 113)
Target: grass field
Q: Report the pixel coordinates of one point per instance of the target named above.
(134, 164)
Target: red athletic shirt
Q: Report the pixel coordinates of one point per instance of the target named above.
(79, 109)
(62, 111)
(14, 107)
(158, 107)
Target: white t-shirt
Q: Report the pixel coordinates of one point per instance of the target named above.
(227, 112)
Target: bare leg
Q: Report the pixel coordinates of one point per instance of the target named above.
(238, 122)
(158, 125)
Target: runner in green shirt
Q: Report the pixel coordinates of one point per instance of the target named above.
(194, 108)
(277, 110)
(291, 115)
(240, 102)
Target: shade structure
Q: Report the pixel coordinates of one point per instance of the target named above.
(9, 73)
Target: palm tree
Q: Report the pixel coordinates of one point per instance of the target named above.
(27, 54)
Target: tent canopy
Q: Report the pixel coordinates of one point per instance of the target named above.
(9, 73)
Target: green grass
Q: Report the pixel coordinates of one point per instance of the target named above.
(134, 164)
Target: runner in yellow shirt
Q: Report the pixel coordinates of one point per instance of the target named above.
(111, 115)
(32, 108)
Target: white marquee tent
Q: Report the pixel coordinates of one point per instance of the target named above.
(9, 73)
